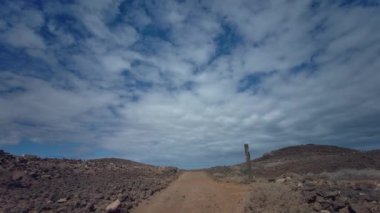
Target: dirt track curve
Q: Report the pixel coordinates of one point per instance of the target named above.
(196, 192)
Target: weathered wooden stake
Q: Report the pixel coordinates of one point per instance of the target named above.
(248, 161)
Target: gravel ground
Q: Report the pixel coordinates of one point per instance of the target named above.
(32, 184)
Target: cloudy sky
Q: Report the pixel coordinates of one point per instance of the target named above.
(187, 83)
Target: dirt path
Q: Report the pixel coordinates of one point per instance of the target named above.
(196, 192)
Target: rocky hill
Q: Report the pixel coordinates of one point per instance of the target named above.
(293, 152)
(310, 178)
(305, 159)
(313, 159)
(33, 184)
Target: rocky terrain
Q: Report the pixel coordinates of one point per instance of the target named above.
(310, 178)
(345, 191)
(32, 184)
(306, 178)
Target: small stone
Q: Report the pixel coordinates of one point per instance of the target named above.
(46, 176)
(281, 180)
(338, 204)
(18, 175)
(325, 211)
(129, 206)
(98, 196)
(309, 187)
(90, 207)
(122, 197)
(359, 208)
(218, 175)
(62, 209)
(345, 210)
(309, 197)
(33, 174)
(325, 205)
(113, 207)
(62, 200)
(317, 206)
(332, 194)
(320, 199)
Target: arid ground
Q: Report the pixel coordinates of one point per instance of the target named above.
(32, 184)
(307, 178)
(196, 192)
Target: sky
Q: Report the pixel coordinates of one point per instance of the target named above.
(187, 83)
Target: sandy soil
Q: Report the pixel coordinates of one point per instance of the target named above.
(196, 192)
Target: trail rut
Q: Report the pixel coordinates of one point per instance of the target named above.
(196, 192)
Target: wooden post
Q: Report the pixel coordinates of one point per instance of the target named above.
(248, 161)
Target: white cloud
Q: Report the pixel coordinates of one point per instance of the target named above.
(32, 18)
(115, 63)
(50, 113)
(24, 37)
(164, 94)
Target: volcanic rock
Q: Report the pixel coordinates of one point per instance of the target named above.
(31, 184)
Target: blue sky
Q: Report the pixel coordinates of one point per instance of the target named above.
(187, 83)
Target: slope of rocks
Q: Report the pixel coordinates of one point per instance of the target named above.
(32, 184)
(316, 193)
(304, 159)
(310, 178)
(313, 159)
